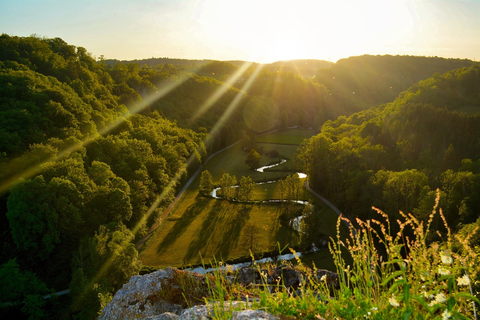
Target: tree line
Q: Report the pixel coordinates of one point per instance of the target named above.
(396, 155)
(90, 169)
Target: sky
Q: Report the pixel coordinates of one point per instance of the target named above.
(252, 30)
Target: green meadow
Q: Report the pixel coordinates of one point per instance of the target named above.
(200, 229)
(292, 136)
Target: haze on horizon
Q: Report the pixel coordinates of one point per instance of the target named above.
(253, 30)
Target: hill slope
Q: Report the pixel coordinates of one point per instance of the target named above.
(364, 81)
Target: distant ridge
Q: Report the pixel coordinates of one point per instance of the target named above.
(153, 62)
(306, 68)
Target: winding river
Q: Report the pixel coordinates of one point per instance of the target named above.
(296, 225)
(261, 169)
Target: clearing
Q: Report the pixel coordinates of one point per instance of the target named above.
(201, 229)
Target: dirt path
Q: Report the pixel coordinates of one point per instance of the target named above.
(328, 203)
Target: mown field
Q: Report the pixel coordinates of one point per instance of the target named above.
(293, 136)
(201, 227)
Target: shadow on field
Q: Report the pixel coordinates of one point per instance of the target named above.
(220, 231)
(285, 235)
(182, 224)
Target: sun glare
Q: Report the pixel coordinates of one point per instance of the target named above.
(281, 30)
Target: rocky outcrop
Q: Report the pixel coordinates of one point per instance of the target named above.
(135, 299)
(161, 295)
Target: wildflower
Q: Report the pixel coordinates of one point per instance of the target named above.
(446, 315)
(439, 298)
(446, 257)
(323, 278)
(374, 309)
(443, 271)
(424, 276)
(463, 281)
(393, 301)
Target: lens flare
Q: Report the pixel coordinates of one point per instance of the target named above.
(14, 170)
(221, 91)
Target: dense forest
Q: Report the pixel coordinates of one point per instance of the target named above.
(396, 155)
(91, 152)
(92, 174)
(362, 82)
(90, 156)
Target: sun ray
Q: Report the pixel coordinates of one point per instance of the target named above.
(220, 91)
(35, 167)
(215, 130)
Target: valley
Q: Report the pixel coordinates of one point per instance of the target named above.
(201, 229)
(93, 154)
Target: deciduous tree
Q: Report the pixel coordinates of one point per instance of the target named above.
(206, 183)
(246, 188)
(253, 159)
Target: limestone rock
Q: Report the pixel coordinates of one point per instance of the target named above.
(142, 297)
(331, 278)
(291, 278)
(253, 315)
(207, 312)
(134, 299)
(196, 313)
(248, 276)
(164, 316)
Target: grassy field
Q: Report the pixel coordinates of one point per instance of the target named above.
(292, 136)
(285, 151)
(222, 230)
(232, 161)
(201, 227)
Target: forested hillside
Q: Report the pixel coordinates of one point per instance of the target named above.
(396, 155)
(362, 82)
(93, 175)
(91, 153)
(306, 68)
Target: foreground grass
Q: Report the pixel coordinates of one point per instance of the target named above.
(410, 280)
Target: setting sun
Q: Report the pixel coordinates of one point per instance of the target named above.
(279, 30)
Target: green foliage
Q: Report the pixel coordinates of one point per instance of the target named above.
(253, 159)
(260, 114)
(290, 188)
(206, 183)
(43, 214)
(227, 183)
(375, 80)
(218, 69)
(393, 155)
(306, 103)
(21, 289)
(390, 276)
(101, 266)
(82, 173)
(246, 189)
(57, 110)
